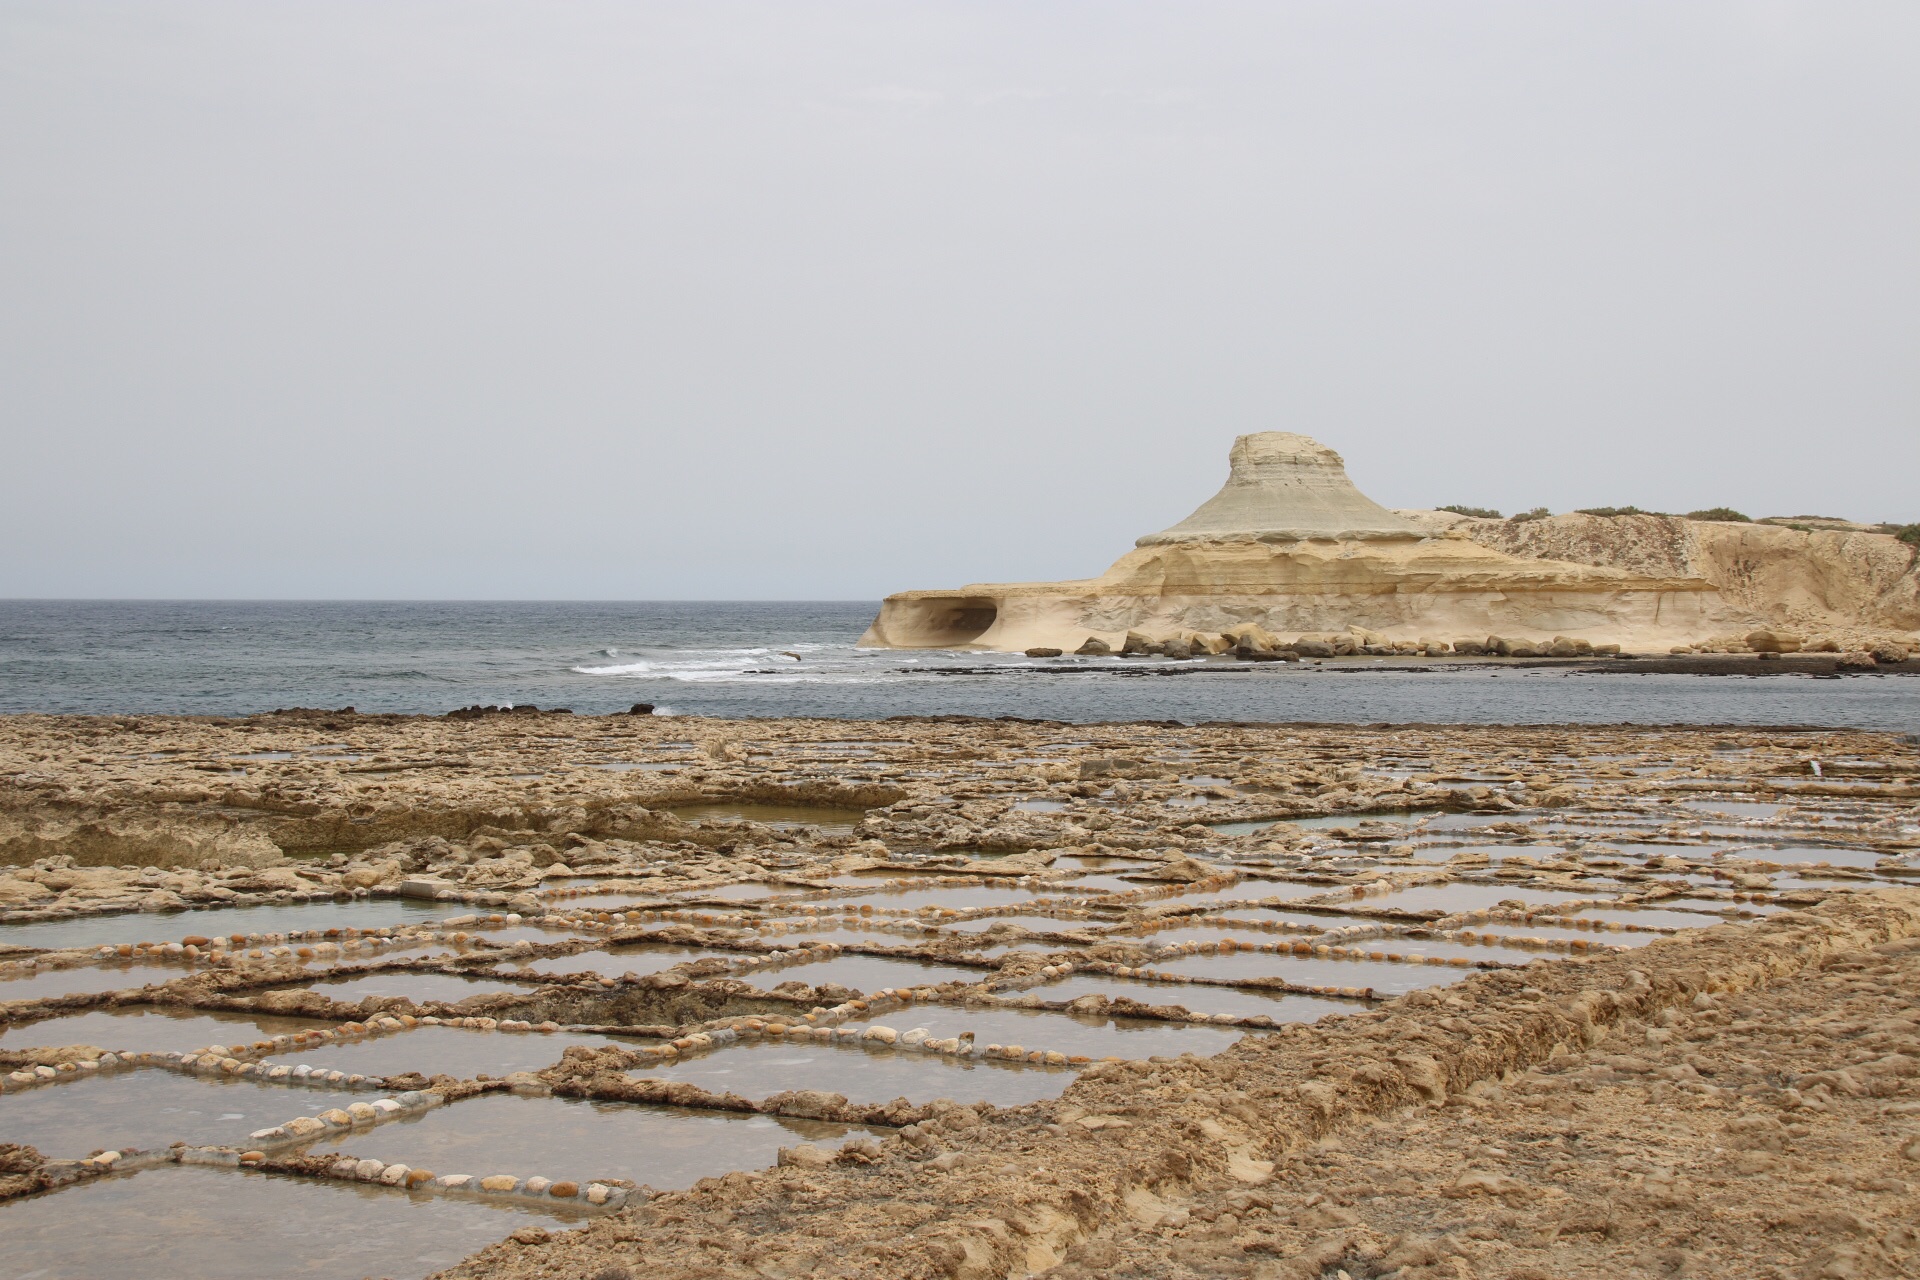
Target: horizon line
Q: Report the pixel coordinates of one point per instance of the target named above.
(427, 600)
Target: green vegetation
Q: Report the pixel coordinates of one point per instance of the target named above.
(1618, 511)
(1484, 513)
(1907, 533)
(1726, 515)
(1538, 513)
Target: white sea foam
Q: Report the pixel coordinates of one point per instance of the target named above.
(722, 665)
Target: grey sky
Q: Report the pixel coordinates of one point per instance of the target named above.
(787, 300)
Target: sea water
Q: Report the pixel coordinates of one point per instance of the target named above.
(789, 659)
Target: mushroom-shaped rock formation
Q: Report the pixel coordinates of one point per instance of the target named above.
(1283, 487)
(1290, 545)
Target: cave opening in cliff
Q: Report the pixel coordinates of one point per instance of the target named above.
(938, 622)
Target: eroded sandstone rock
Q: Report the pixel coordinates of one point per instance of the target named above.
(1289, 545)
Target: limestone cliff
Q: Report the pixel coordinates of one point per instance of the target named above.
(1290, 545)
(1850, 583)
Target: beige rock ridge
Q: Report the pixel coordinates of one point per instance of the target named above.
(1290, 545)
(1853, 583)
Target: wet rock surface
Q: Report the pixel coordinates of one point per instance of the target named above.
(1086, 989)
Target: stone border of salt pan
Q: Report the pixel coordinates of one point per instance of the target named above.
(603, 1196)
(353, 1116)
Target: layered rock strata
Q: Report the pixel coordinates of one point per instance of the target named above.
(1858, 586)
(1290, 545)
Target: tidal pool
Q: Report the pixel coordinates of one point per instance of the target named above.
(828, 931)
(960, 899)
(1207, 931)
(1650, 917)
(88, 978)
(1496, 852)
(229, 1224)
(453, 1051)
(612, 962)
(414, 986)
(1095, 1036)
(763, 1068)
(1383, 977)
(1452, 898)
(1622, 938)
(1250, 890)
(615, 901)
(1104, 862)
(149, 1108)
(1863, 859)
(1733, 808)
(1306, 920)
(870, 973)
(152, 1029)
(666, 1148)
(507, 935)
(171, 926)
(1193, 997)
(746, 891)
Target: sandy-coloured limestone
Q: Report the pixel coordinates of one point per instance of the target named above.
(1289, 544)
(1852, 584)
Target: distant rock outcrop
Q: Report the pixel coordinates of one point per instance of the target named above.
(1283, 487)
(1290, 546)
(1848, 582)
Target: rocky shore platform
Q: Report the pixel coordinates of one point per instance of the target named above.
(636, 995)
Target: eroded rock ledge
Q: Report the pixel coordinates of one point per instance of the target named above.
(1290, 547)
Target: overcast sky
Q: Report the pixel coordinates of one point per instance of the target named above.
(812, 300)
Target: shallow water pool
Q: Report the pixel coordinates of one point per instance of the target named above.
(960, 899)
(1802, 854)
(1193, 997)
(89, 978)
(667, 1148)
(453, 1051)
(1452, 898)
(171, 926)
(1095, 1036)
(612, 962)
(1250, 891)
(1733, 808)
(150, 1108)
(414, 986)
(1383, 977)
(152, 1029)
(228, 1224)
(762, 1069)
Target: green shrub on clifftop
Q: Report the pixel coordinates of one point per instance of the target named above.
(1483, 513)
(1726, 515)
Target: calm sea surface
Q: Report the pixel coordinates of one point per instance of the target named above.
(780, 659)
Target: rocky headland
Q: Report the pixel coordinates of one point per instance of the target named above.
(1290, 557)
